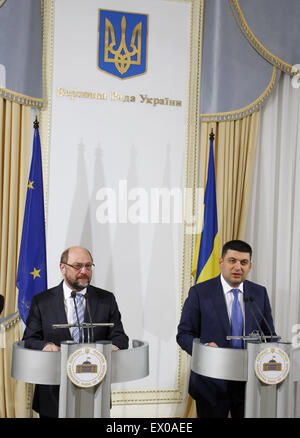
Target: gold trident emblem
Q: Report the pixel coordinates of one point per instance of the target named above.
(122, 56)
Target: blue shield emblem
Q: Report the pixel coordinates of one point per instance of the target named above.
(122, 43)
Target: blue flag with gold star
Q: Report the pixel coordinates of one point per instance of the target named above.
(32, 268)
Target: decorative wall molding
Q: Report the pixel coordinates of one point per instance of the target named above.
(22, 99)
(46, 110)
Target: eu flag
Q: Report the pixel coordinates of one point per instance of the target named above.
(32, 268)
(206, 260)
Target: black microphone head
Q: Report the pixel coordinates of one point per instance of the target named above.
(73, 294)
(251, 299)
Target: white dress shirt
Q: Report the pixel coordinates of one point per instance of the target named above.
(229, 297)
(69, 305)
(70, 310)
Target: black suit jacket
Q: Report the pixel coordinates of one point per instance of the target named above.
(204, 315)
(1, 303)
(47, 308)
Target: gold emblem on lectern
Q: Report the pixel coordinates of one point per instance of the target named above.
(272, 365)
(86, 368)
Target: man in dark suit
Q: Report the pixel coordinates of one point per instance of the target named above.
(56, 306)
(1, 303)
(207, 314)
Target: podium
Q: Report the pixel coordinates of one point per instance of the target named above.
(269, 369)
(84, 372)
(7, 323)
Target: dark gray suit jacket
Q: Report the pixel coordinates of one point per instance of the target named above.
(47, 308)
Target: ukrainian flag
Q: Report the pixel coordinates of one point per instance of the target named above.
(206, 260)
(32, 269)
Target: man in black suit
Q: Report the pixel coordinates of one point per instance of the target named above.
(207, 313)
(1, 303)
(56, 306)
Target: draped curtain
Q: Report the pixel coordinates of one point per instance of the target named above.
(273, 224)
(234, 149)
(15, 153)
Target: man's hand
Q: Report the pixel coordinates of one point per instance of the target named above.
(51, 347)
(212, 344)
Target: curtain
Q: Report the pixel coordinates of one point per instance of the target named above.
(234, 148)
(273, 223)
(15, 154)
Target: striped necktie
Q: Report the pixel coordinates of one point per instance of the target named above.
(236, 320)
(80, 309)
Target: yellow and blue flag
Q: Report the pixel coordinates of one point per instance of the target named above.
(206, 260)
(32, 268)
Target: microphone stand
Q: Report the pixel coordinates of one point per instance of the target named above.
(262, 335)
(90, 318)
(271, 337)
(252, 300)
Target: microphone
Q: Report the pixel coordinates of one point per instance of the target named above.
(246, 300)
(90, 317)
(73, 295)
(252, 300)
(1, 303)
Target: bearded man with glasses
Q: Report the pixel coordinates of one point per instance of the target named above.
(56, 306)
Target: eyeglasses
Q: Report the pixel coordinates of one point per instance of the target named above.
(79, 266)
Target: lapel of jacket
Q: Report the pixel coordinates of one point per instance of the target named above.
(220, 305)
(92, 301)
(60, 312)
(250, 324)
